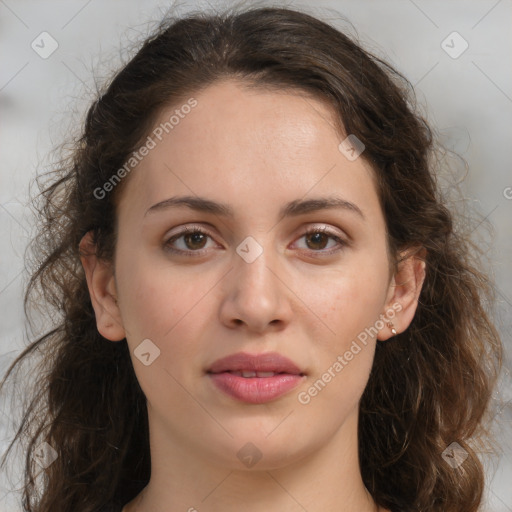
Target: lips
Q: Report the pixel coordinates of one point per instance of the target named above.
(255, 379)
(270, 362)
(250, 374)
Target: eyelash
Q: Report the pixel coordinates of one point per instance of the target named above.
(190, 253)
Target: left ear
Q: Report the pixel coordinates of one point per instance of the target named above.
(404, 291)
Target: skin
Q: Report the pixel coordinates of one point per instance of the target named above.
(254, 150)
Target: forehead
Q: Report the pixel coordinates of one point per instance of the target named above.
(238, 143)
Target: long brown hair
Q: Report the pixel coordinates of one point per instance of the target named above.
(429, 387)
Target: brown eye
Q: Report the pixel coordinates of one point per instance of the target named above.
(317, 240)
(194, 241)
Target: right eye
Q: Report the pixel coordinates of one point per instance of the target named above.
(194, 239)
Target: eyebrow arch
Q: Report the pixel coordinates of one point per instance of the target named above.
(291, 209)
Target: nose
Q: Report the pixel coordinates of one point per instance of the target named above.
(256, 293)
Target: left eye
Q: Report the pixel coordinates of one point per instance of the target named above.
(319, 236)
(194, 240)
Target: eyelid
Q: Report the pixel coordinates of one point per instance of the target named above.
(183, 231)
(342, 241)
(190, 228)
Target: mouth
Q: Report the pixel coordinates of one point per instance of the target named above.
(248, 374)
(255, 379)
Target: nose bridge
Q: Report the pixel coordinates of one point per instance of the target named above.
(255, 295)
(253, 259)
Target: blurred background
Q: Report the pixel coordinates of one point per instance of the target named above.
(456, 54)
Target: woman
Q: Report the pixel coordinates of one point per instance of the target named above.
(265, 305)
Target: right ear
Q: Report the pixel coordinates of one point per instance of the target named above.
(102, 290)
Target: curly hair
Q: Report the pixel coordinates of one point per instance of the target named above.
(429, 387)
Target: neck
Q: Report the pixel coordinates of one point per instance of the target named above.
(327, 478)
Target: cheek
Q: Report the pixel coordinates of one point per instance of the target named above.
(157, 296)
(166, 309)
(163, 305)
(343, 360)
(350, 301)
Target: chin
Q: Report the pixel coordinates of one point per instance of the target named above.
(258, 451)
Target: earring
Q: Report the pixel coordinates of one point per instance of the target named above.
(392, 327)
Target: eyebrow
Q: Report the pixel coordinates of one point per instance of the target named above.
(291, 209)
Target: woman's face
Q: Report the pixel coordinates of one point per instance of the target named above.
(248, 280)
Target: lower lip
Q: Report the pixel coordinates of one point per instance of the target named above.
(255, 390)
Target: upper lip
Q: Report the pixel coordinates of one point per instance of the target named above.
(268, 362)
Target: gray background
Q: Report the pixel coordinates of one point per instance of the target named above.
(468, 99)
